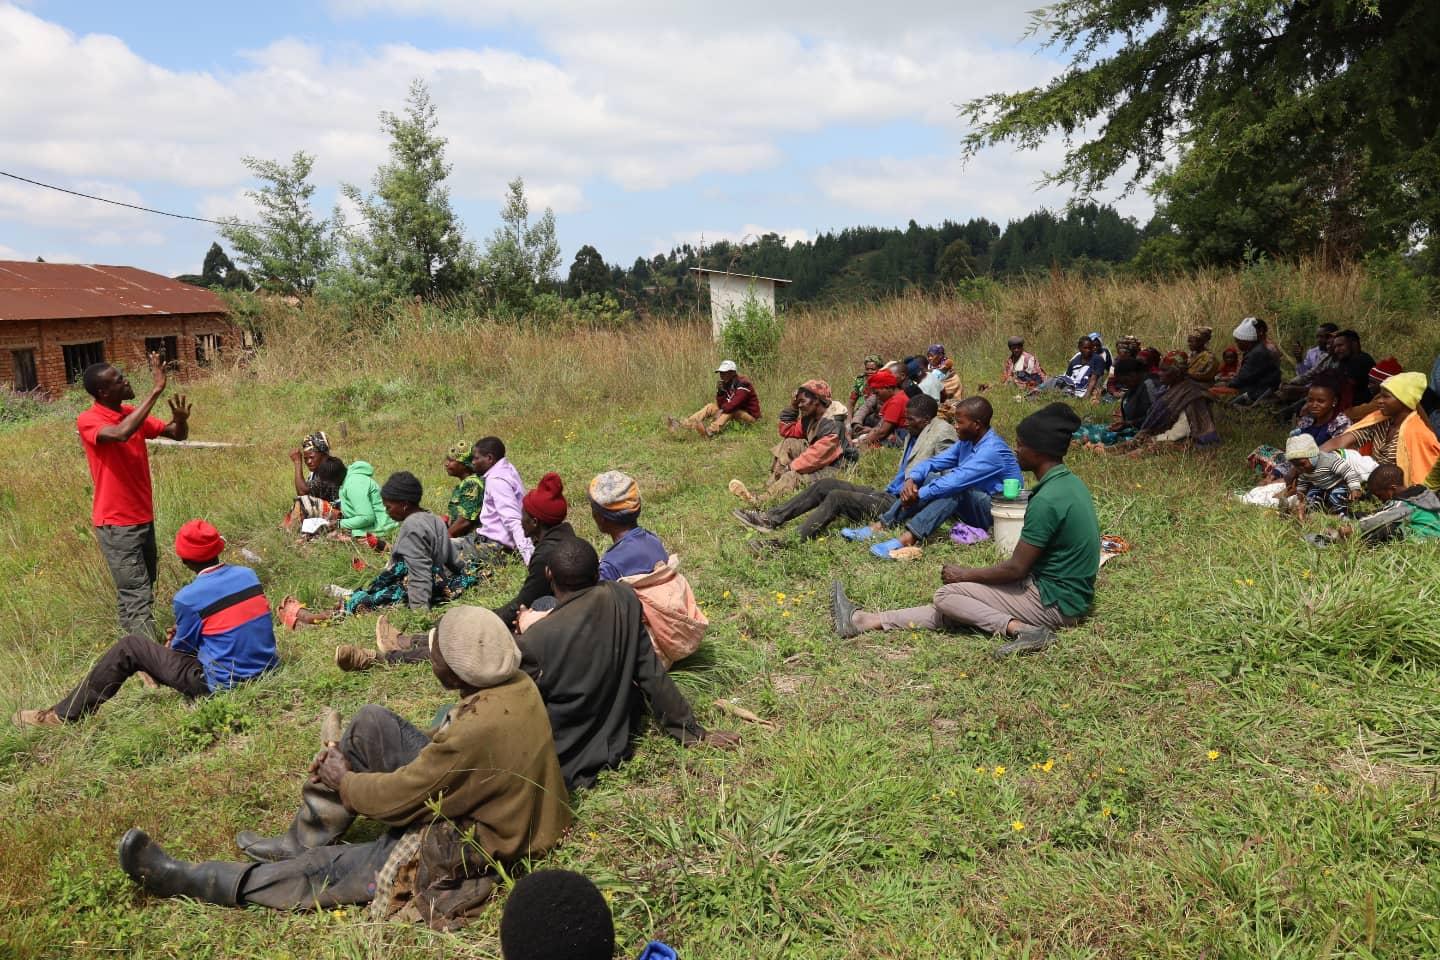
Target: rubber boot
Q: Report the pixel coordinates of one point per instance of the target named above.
(321, 819)
(161, 875)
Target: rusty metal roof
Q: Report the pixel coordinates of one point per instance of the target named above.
(59, 291)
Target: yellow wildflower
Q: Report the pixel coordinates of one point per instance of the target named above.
(593, 835)
(999, 771)
(1017, 825)
(726, 595)
(1212, 755)
(1048, 765)
(1249, 582)
(1105, 813)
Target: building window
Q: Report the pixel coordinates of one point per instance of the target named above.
(22, 363)
(78, 356)
(167, 347)
(207, 348)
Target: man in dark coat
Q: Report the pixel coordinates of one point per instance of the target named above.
(593, 661)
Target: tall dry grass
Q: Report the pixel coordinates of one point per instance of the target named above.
(655, 359)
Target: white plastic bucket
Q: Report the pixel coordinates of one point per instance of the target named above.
(1009, 517)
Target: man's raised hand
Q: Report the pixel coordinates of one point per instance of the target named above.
(157, 371)
(179, 406)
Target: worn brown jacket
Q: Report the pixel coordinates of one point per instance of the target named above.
(492, 767)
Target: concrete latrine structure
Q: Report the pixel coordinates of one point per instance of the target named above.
(58, 318)
(729, 292)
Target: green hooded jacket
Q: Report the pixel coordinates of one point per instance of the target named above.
(361, 508)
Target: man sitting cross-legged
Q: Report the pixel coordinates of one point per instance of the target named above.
(827, 500)
(593, 662)
(222, 636)
(1049, 581)
(484, 785)
(958, 482)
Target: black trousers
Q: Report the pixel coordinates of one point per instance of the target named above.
(827, 500)
(129, 656)
(375, 741)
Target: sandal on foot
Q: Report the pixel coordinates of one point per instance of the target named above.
(289, 612)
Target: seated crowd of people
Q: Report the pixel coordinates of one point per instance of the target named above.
(556, 684)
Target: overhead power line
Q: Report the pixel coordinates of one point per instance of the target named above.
(122, 203)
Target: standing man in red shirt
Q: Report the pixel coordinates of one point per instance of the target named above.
(114, 434)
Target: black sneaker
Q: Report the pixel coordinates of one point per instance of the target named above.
(1027, 640)
(842, 611)
(753, 519)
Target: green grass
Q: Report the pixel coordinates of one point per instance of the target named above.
(874, 821)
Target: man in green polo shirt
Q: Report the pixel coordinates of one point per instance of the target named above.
(1048, 582)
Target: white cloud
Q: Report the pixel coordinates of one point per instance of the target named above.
(126, 238)
(658, 94)
(932, 188)
(26, 203)
(850, 18)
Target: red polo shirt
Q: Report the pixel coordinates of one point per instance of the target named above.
(119, 471)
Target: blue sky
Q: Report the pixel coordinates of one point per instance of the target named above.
(642, 123)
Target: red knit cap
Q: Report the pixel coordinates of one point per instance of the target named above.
(198, 541)
(546, 502)
(881, 379)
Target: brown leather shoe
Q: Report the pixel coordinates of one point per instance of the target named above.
(37, 718)
(350, 657)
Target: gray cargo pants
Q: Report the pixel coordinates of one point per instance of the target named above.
(986, 607)
(130, 554)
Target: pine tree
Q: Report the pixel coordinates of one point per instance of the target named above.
(413, 244)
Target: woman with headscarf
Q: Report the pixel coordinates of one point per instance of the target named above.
(1126, 346)
(1203, 365)
(864, 408)
(1180, 412)
(462, 510)
(1394, 433)
(318, 492)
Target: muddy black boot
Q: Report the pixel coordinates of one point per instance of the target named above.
(163, 876)
(322, 818)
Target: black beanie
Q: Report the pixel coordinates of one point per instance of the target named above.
(556, 915)
(403, 487)
(1048, 430)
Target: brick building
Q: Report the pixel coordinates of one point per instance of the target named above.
(58, 318)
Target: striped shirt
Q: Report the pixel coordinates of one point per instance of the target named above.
(1331, 470)
(222, 618)
(1383, 438)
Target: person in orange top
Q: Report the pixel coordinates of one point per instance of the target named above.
(1396, 433)
(113, 434)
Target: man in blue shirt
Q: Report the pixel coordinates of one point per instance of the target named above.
(958, 482)
(615, 506)
(827, 500)
(222, 636)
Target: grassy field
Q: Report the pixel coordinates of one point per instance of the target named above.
(1236, 756)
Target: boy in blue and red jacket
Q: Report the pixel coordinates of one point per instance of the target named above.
(222, 636)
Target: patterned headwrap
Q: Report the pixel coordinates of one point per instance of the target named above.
(875, 359)
(616, 494)
(949, 408)
(316, 442)
(936, 350)
(1175, 359)
(819, 388)
(1203, 334)
(1128, 341)
(460, 452)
